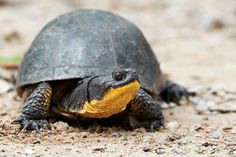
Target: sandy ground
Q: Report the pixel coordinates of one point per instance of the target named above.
(195, 43)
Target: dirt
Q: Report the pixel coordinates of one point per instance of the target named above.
(195, 43)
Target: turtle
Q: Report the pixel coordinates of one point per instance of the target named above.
(93, 64)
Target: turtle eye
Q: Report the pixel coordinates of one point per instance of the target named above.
(118, 75)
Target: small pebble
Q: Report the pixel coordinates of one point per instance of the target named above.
(29, 151)
(178, 151)
(61, 125)
(160, 150)
(99, 149)
(146, 149)
(36, 142)
(217, 133)
(147, 139)
(173, 125)
(224, 108)
(116, 134)
(172, 104)
(200, 150)
(164, 106)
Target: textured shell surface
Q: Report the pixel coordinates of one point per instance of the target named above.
(88, 42)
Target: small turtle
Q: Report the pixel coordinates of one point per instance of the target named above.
(91, 64)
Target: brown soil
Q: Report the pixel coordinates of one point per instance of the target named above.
(194, 41)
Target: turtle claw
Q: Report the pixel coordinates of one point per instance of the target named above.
(154, 125)
(29, 124)
(151, 125)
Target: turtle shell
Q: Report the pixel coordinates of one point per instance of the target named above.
(88, 42)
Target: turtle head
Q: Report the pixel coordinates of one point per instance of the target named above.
(119, 81)
(102, 96)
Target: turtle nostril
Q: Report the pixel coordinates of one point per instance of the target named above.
(135, 73)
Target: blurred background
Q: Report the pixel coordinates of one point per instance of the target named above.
(195, 41)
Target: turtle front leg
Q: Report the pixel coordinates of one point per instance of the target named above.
(145, 112)
(36, 108)
(173, 92)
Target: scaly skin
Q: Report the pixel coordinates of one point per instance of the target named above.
(145, 112)
(36, 108)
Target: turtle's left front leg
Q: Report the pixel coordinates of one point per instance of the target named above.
(36, 108)
(145, 112)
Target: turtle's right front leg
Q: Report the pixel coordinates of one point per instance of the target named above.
(36, 108)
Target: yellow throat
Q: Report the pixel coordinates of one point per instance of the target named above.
(115, 101)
